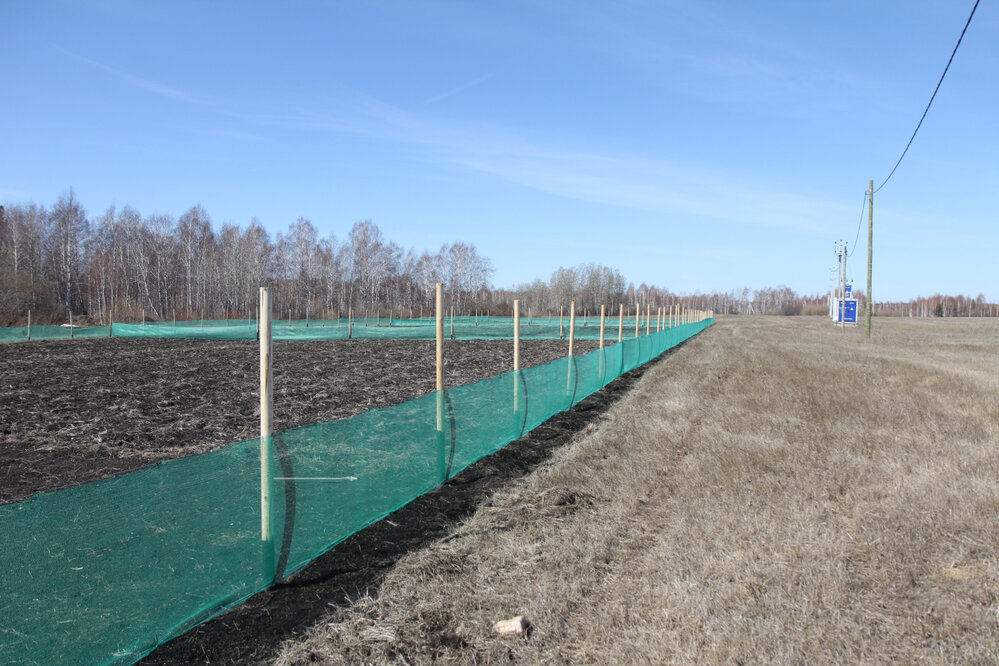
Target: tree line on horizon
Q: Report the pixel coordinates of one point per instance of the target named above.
(120, 266)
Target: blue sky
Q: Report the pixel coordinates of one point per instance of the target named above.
(699, 146)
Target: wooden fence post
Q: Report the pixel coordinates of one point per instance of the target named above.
(516, 336)
(638, 317)
(516, 354)
(648, 318)
(29, 324)
(439, 328)
(572, 335)
(266, 420)
(620, 323)
(440, 340)
(602, 321)
(572, 325)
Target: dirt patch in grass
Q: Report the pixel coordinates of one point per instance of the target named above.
(780, 491)
(82, 410)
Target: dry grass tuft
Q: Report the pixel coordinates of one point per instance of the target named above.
(777, 491)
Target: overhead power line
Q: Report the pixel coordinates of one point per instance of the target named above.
(859, 222)
(931, 98)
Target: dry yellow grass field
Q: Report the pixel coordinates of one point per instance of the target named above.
(775, 491)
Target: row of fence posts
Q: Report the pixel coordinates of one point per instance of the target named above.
(666, 318)
(682, 315)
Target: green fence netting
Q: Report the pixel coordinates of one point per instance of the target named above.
(106, 571)
(36, 332)
(461, 328)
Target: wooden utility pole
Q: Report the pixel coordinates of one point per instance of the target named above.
(870, 242)
(842, 289)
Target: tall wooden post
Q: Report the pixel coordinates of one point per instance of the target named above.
(572, 325)
(620, 323)
(561, 326)
(516, 354)
(648, 318)
(870, 251)
(266, 417)
(638, 317)
(442, 471)
(603, 320)
(572, 337)
(516, 334)
(440, 339)
(29, 324)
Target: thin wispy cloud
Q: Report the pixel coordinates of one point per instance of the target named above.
(539, 162)
(457, 89)
(237, 135)
(515, 156)
(139, 82)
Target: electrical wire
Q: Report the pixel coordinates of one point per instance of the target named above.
(931, 98)
(861, 222)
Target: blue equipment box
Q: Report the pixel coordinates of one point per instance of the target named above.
(846, 311)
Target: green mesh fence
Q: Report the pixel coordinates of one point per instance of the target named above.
(105, 572)
(22, 333)
(462, 328)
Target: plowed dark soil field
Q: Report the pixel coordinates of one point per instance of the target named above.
(78, 411)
